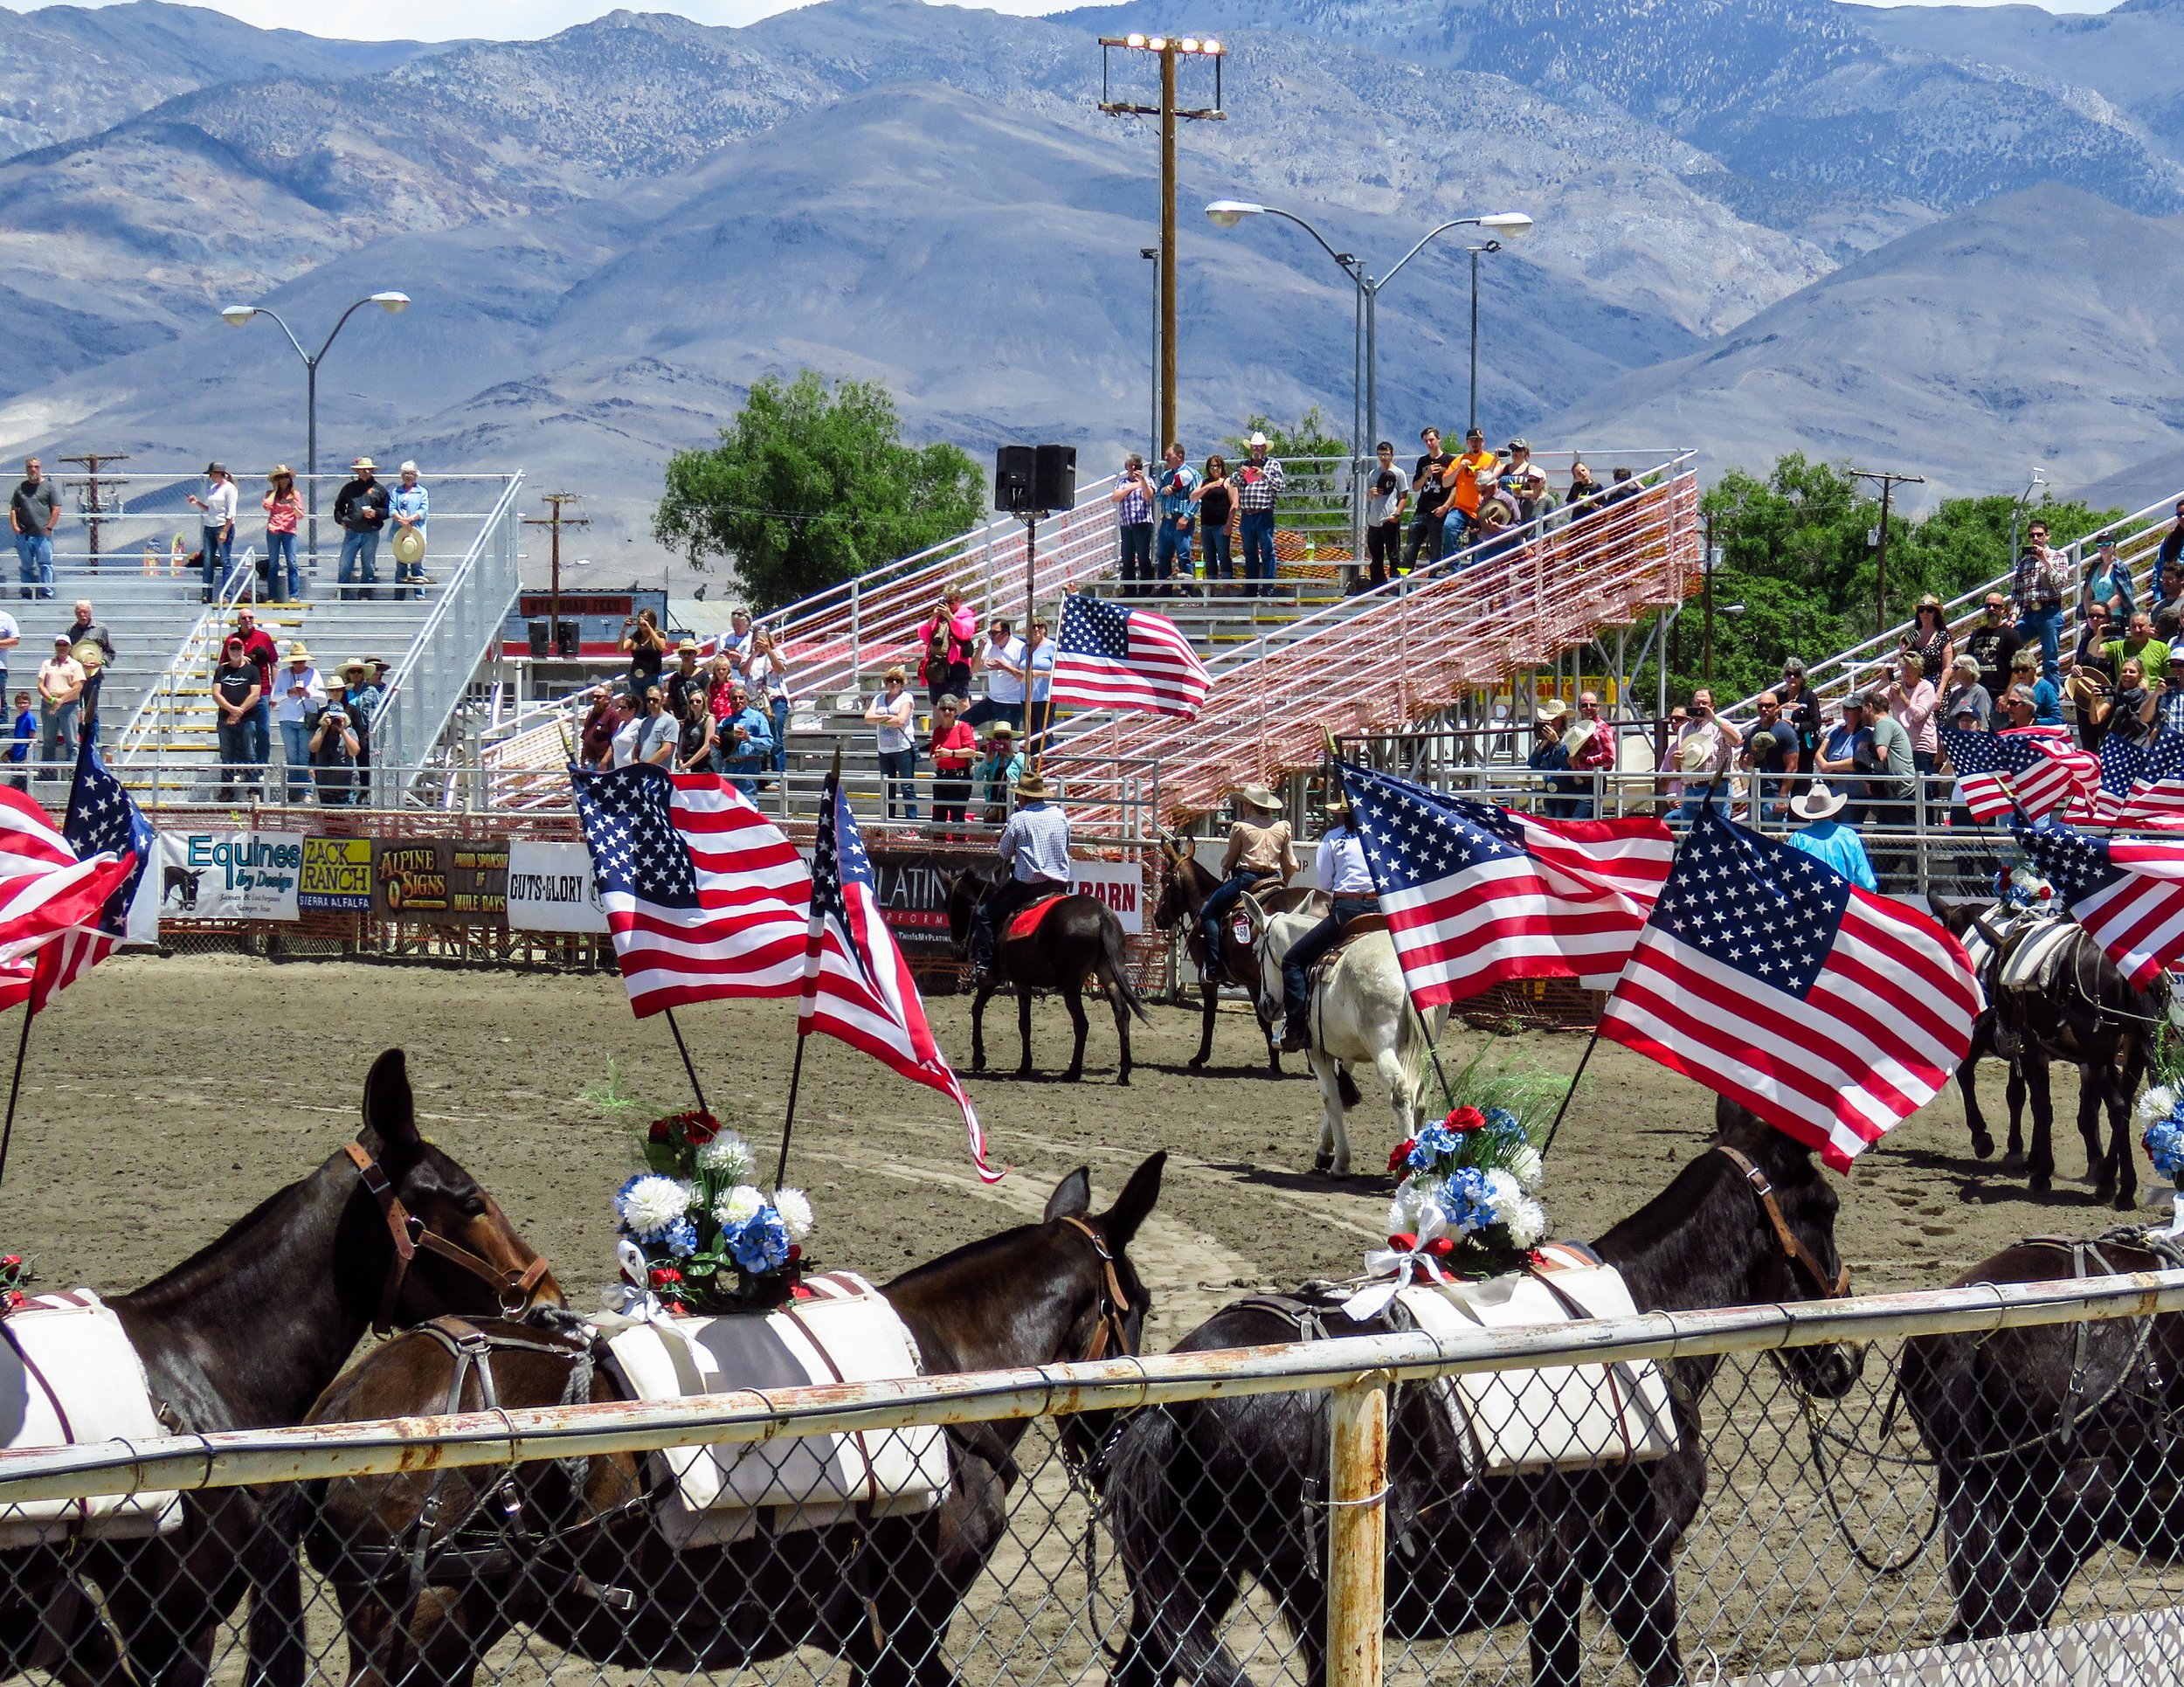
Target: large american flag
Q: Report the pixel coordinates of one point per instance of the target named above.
(1122, 659)
(1771, 978)
(704, 896)
(1476, 895)
(110, 843)
(856, 985)
(2032, 766)
(2140, 784)
(2128, 892)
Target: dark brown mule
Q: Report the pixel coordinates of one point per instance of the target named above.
(566, 1548)
(2050, 1440)
(245, 1334)
(1181, 901)
(1079, 939)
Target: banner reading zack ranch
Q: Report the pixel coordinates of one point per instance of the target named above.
(228, 875)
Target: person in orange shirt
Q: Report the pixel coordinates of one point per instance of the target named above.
(1473, 475)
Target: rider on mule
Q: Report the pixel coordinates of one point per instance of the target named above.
(1034, 846)
(1340, 868)
(1257, 853)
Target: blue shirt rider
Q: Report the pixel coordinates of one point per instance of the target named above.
(1034, 847)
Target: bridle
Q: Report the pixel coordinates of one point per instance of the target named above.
(1833, 1288)
(408, 1233)
(1114, 1307)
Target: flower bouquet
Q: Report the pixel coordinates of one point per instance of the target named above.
(698, 1236)
(1465, 1206)
(2161, 1111)
(16, 1276)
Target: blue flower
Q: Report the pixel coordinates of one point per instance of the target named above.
(1433, 1143)
(1468, 1200)
(1506, 1127)
(680, 1239)
(2165, 1145)
(760, 1243)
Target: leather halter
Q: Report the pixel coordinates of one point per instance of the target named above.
(409, 1233)
(1114, 1303)
(1793, 1249)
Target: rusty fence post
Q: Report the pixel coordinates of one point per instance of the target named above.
(1356, 1530)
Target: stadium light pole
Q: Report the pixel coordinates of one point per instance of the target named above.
(1497, 226)
(236, 315)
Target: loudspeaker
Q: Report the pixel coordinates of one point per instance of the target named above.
(566, 634)
(1013, 466)
(537, 630)
(1054, 478)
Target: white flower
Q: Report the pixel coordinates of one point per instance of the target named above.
(2156, 1103)
(795, 1207)
(1414, 1196)
(649, 1205)
(1505, 1192)
(737, 1207)
(1526, 1166)
(1526, 1221)
(727, 1157)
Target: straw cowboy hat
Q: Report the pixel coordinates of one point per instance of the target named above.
(364, 462)
(1553, 709)
(1818, 802)
(1258, 797)
(1031, 788)
(1338, 803)
(356, 665)
(298, 651)
(1697, 753)
(1000, 729)
(280, 472)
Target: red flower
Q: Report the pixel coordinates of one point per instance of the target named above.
(13, 1298)
(1466, 1118)
(796, 1252)
(10, 1262)
(658, 1132)
(664, 1275)
(698, 1128)
(1402, 1152)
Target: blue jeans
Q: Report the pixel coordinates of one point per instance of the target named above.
(278, 546)
(2045, 625)
(1226, 895)
(34, 552)
(295, 744)
(1687, 811)
(260, 721)
(360, 555)
(1296, 965)
(238, 762)
(899, 769)
(57, 741)
(1137, 541)
(220, 557)
(780, 712)
(738, 770)
(1217, 553)
(1258, 537)
(1174, 543)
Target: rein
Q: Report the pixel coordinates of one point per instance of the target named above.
(1114, 1311)
(1833, 1288)
(408, 1233)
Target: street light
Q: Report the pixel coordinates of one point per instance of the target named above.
(1496, 226)
(237, 315)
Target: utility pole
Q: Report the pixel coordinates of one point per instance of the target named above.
(1711, 554)
(553, 523)
(1890, 479)
(1168, 48)
(93, 508)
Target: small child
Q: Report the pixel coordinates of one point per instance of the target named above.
(26, 736)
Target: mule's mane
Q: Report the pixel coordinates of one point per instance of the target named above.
(272, 1215)
(980, 1254)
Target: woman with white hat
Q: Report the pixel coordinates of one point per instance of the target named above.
(1826, 838)
(410, 505)
(1259, 849)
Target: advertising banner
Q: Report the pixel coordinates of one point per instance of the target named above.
(441, 880)
(336, 876)
(1121, 885)
(550, 888)
(223, 874)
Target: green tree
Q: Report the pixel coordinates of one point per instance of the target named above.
(809, 486)
(1310, 435)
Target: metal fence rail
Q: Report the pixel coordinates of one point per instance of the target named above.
(1811, 1543)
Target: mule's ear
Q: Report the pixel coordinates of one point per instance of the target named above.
(1939, 905)
(1122, 1219)
(389, 1109)
(1735, 1123)
(1073, 1196)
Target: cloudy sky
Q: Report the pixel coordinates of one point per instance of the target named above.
(436, 20)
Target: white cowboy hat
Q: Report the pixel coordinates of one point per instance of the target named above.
(1817, 802)
(1258, 797)
(1256, 439)
(1553, 709)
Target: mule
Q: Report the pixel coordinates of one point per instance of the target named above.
(2050, 1440)
(1361, 1016)
(1080, 938)
(2093, 1017)
(1201, 1493)
(243, 1334)
(1182, 900)
(566, 1548)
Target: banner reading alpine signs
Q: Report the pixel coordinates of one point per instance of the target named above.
(336, 876)
(221, 875)
(550, 888)
(440, 881)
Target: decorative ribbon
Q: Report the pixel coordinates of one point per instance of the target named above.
(633, 1296)
(1405, 1257)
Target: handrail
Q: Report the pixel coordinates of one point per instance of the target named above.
(199, 645)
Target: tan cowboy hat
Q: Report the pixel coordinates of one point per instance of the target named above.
(409, 545)
(1817, 802)
(1697, 753)
(280, 471)
(1337, 803)
(1001, 729)
(89, 653)
(364, 462)
(298, 651)
(1258, 797)
(356, 665)
(1031, 788)
(1553, 709)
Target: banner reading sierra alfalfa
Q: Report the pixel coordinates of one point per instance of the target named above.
(220, 874)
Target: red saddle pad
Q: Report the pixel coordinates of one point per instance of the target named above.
(1026, 920)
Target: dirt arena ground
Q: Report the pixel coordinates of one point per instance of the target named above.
(164, 1097)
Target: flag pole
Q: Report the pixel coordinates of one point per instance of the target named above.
(683, 1050)
(788, 1123)
(830, 800)
(14, 1084)
(1571, 1092)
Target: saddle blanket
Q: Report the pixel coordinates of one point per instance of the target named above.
(1024, 921)
(845, 1332)
(1558, 1416)
(69, 1378)
(2032, 962)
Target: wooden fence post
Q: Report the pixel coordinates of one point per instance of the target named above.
(1356, 1530)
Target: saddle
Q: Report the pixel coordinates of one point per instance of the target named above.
(1364, 926)
(1026, 921)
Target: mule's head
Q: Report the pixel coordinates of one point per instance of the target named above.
(1954, 914)
(963, 888)
(1110, 1299)
(462, 1255)
(1797, 1258)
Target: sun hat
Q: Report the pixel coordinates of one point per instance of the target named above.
(355, 665)
(1257, 796)
(1031, 788)
(409, 545)
(1817, 802)
(1001, 729)
(364, 462)
(279, 469)
(690, 645)
(298, 651)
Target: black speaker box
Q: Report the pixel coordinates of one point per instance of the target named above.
(1054, 478)
(1014, 468)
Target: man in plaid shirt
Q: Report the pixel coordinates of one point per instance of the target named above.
(1133, 502)
(1258, 484)
(2041, 580)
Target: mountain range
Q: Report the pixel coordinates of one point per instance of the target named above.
(1945, 236)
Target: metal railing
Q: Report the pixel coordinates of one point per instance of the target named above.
(189, 668)
(1798, 1526)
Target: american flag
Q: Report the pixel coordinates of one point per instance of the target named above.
(1771, 978)
(1125, 658)
(1475, 894)
(704, 896)
(856, 985)
(2041, 768)
(106, 834)
(2128, 892)
(2140, 784)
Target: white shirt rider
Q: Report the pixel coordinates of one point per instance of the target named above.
(1340, 864)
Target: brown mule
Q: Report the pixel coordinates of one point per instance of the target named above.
(1181, 901)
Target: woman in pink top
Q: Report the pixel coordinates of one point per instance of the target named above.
(1911, 701)
(284, 508)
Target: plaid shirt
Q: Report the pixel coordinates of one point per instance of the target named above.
(1137, 508)
(2170, 702)
(1253, 496)
(2041, 585)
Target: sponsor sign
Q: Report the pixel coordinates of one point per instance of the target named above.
(1121, 885)
(221, 875)
(914, 897)
(335, 876)
(440, 881)
(550, 888)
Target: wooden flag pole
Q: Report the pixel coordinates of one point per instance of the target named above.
(830, 798)
(14, 1084)
(683, 1048)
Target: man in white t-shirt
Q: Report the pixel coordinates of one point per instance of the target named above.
(1001, 660)
(1387, 494)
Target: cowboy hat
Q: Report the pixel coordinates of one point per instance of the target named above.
(298, 651)
(1001, 729)
(364, 462)
(355, 665)
(1255, 439)
(409, 545)
(1697, 753)
(1553, 709)
(1257, 796)
(1031, 788)
(279, 471)
(1338, 803)
(1817, 802)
